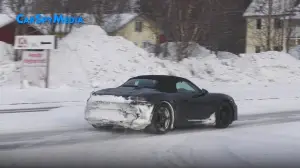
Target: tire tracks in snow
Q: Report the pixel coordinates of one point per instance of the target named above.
(28, 110)
(86, 135)
(64, 138)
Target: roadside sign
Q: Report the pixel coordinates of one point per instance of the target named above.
(40, 42)
(34, 58)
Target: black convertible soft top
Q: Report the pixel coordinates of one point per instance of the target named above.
(166, 83)
(159, 77)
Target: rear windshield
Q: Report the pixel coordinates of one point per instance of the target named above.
(146, 83)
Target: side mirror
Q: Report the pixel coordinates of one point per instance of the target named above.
(93, 93)
(204, 91)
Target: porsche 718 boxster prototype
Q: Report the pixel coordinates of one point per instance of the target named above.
(159, 103)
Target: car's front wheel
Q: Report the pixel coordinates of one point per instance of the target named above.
(161, 120)
(224, 116)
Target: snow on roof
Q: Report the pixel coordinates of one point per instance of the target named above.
(296, 11)
(116, 21)
(261, 7)
(7, 15)
(5, 19)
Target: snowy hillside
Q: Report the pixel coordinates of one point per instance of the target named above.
(193, 49)
(89, 57)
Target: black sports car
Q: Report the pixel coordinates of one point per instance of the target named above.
(159, 103)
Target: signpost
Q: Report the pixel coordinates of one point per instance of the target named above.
(35, 42)
(36, 52)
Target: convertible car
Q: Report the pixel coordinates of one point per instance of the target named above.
(158, 104)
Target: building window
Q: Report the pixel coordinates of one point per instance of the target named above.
(277, 48)
(278, 23)
(138, 26)
(258, 23)
(257, 49)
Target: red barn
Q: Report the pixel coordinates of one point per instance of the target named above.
(8, 26)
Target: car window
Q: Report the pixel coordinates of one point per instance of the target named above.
(183, 86)
(149, 83)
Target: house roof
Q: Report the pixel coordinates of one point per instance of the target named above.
(5, 19)
(46, 27)
(43, 28)
(261, 7)
(6, 14)
(115, 22)
(111, 23)
(296, 11)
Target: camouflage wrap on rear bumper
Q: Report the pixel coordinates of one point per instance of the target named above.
(111, 110)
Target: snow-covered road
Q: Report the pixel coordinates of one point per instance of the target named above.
(266, 134)
(256, 140)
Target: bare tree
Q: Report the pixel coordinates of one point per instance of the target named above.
(1, 6)
(17, 7)
(48, 8)
(159, 12)
(104, 8)
(179, 20)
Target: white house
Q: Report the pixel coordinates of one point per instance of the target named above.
(278, 26)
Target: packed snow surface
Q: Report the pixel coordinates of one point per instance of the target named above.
(89, 57)
(63, 139)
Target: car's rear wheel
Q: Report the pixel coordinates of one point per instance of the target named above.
(224, 116)
(161, 120)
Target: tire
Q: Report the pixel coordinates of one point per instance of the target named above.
(161, 120)
(102, 127)
(224, 116)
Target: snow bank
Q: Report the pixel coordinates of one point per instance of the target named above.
(226, 55)
(6, 65)
(6, 52)
(295, 52)
(193, 49)
(270, 66)
(89, 57)
(93, 58)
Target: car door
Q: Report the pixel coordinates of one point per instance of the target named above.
(193, 104)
